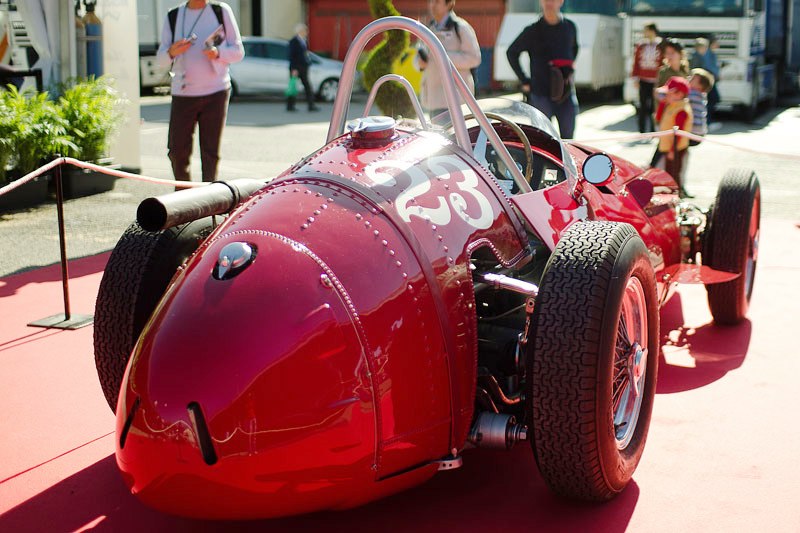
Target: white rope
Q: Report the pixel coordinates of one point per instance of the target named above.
(97, 168)
(691, 136)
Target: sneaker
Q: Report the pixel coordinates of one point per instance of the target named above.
(714, 126)
(313, 108)
(291, 109)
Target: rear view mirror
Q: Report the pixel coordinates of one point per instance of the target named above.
(598, 169)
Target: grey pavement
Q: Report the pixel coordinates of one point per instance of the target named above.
(262, 139)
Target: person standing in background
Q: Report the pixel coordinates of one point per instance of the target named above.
(199, 40)
(675, 63)
(299, 63)
(552, 46)
(646, 63)
(460, 43)
(705, 58)
(674, 110)
(700, 83)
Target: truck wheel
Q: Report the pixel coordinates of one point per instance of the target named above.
(136, 276)
(731, 244)
(592, 361)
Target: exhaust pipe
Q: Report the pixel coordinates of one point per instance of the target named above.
(161, 212)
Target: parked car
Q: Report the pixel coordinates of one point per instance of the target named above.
(265, 70)
(401, 295)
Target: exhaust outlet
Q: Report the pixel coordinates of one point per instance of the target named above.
(161, 212)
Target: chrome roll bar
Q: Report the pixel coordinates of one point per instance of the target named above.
(409, 91)
(454, 87)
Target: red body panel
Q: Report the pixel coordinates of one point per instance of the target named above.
(311, 401)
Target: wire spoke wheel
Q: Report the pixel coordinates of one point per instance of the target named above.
(630, 365)
(592, 363)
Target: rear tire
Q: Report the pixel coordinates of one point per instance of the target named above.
(136, 276)
(731, 244)
(592, 361)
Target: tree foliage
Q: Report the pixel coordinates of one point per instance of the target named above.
(392, 98)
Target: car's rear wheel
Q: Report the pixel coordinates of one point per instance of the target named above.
(328, 89)
(136, 276)
(592, 361)
(731, 244)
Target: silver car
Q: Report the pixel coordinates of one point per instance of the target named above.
(265, 70)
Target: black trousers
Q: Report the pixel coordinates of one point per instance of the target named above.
(646, 103)
(302, 74)
(208, 113)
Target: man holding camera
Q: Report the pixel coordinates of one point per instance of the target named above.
(199, 40)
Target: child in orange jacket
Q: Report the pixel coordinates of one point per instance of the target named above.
(674, 110)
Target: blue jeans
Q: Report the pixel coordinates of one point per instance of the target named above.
(565, 112)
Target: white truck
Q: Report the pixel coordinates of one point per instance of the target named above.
(151, 15)
(752, 43)
(599, 63)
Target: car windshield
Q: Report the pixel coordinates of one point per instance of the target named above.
(696, 8)
(529, 117)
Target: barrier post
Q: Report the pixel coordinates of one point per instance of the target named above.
(66, 320)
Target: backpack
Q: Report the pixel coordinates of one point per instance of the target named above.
(172, 16)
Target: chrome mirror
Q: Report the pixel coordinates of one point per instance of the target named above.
(598, 169)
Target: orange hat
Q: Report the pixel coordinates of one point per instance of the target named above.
(677, 83)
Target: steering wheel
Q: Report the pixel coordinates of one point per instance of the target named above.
(513, 127)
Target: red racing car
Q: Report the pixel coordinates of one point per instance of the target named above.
(405, 293)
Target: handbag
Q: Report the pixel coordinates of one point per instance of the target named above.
(291, 88)
(560, 81)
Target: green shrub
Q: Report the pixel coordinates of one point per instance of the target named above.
(92, 111)
(392, 98)
(35, 130)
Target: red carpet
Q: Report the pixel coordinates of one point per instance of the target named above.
(722, 453)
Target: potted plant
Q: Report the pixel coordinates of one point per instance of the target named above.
(32, 131)
(92, 111)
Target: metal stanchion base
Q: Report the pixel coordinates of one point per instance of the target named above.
(59, 321)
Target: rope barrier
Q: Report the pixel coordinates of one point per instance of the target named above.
(97, 168)
(691, 136)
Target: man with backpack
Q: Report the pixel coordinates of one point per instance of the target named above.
(461, 44)
(199, 40)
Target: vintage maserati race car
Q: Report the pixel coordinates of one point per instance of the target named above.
(405, 293)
